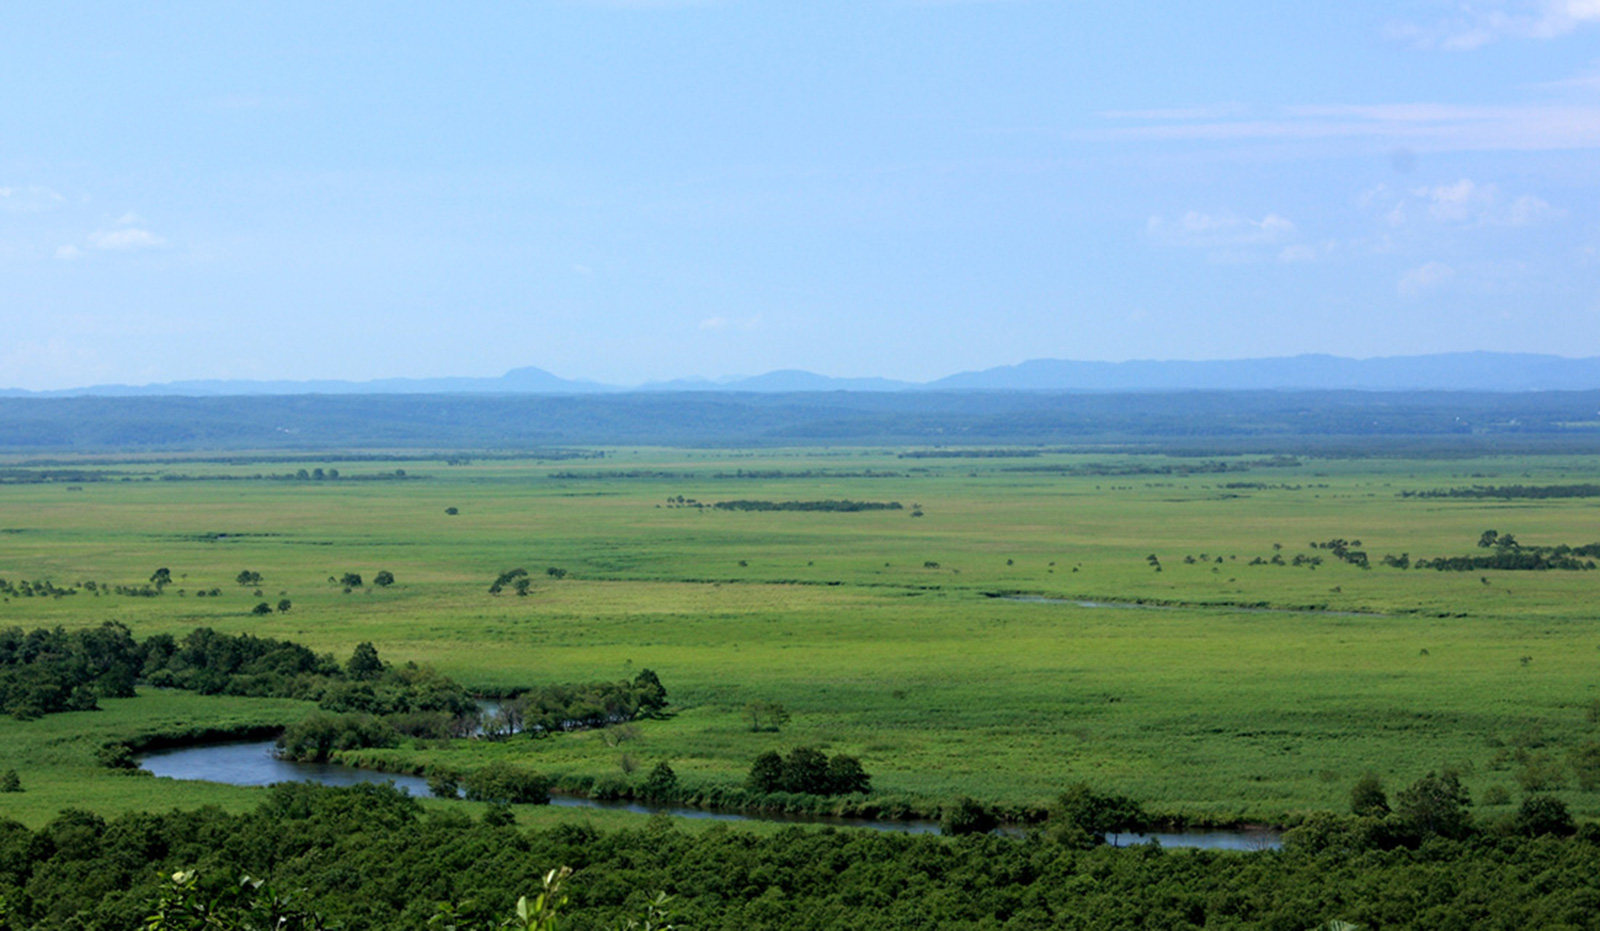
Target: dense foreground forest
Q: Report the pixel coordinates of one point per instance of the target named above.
(368, 858)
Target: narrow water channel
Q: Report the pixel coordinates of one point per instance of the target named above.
(253, 763)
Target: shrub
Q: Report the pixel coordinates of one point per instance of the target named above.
(966, 815)
(503, 782)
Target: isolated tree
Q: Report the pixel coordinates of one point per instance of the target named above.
(261, 608)
(284, 605)
(248, 578)
(10, 781)
(350, 580)
(161, 577)
(383, 579)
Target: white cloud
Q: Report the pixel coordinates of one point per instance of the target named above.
(126, 239)
(1214, 231)
(68, 252)
(29, 198)
(1424, 278)
(1460, 203)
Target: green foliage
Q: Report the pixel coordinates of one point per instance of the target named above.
(505, 782)
(1436, 804)
(1080, 808)
(766, 715)
(252, 906)
(966, 815)
(808, 771)
(248, 578)
(383, 579)
(1543, 814)
(506, 578)
(364, 662)
(10, 781)
(47, 671)
(661, 784)
(1367, 798)
(315, 738)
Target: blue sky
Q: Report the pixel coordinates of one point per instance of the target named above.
(631, 191)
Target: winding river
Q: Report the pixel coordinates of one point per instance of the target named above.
(253, 763)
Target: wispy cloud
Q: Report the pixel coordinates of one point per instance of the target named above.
(1420, 126)
(1424, 278)
(722, 324)
(29, 198)
(125, 239)
(1473, 26)
(1460, 203)
(1218, 230)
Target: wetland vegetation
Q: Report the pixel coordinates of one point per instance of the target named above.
(876, 632)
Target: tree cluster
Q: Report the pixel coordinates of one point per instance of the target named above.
(844, 505)
(809, 771)
(553, 709)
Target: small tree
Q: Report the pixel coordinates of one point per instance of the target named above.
(383, 579)
(766, 715)
(1435, 804)
(766, 773)
(662, 783)
(350, 580)
(1367, 797)
(284, 605)
(261, 608)
(966, 815)
(1543, 814)
(10, 781)
(364, 662)
(248, 578)
(161, 577)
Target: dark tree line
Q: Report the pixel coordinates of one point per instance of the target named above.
(368, 858)
(49, 670)
(841, 505)
(1509, 492)
(809, 771)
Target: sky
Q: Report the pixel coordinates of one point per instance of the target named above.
(628, 191)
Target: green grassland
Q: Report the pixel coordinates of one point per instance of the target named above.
(1220, 691)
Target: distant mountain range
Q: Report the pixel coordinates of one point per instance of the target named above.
(1464, 371)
